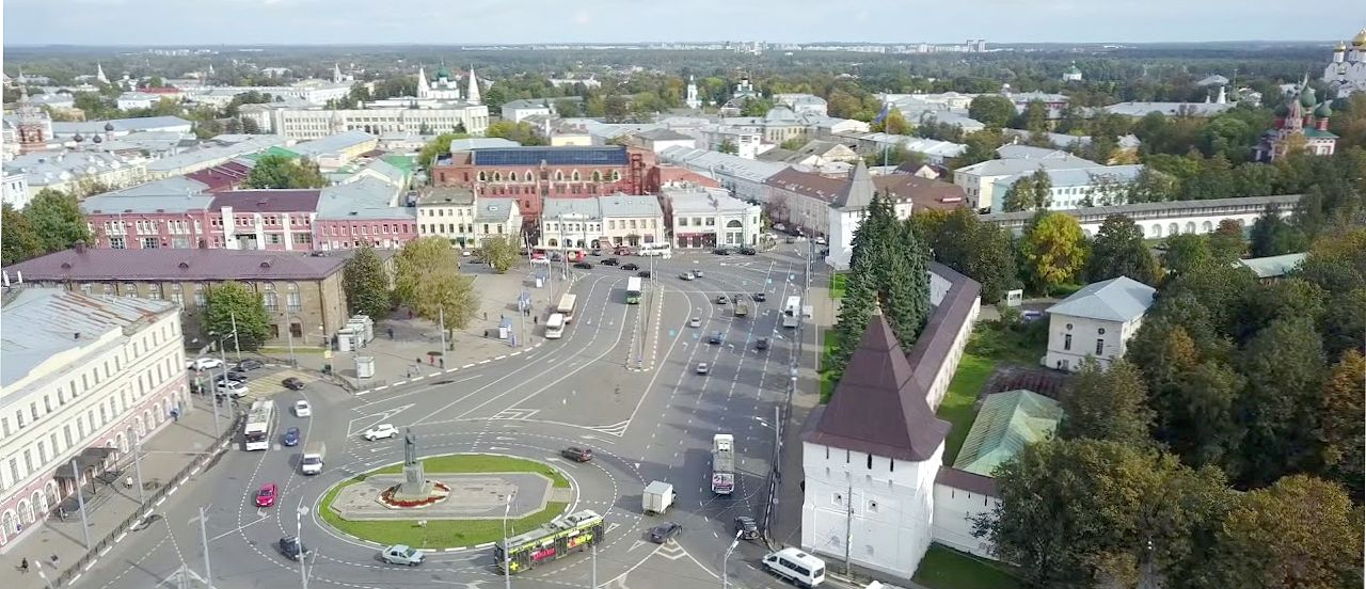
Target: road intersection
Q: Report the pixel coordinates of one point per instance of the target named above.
(647, 417)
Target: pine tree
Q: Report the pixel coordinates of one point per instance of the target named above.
(888, 270)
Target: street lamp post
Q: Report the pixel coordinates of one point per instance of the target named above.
(204, 536)
(303, 572)
(725, 560)
(137, 466)
(80, 502)
(507, 557)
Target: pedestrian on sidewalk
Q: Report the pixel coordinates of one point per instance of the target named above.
(391, 333)
(486, 315)
(443, 362)
(54, 561)
(536, 320)
(23, 564)
(410, 313)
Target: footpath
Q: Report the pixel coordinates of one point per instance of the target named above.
(57, 553)
(407, 348)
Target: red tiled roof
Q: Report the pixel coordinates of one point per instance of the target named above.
(226, 176)
(922, 192)
(268, 201)
(98, 265)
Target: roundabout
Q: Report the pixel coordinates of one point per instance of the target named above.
(474, 496)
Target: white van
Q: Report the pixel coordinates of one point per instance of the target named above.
(796, 566)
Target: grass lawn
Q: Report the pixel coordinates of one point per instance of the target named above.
(1022, 345)
(482, 463)
(946, 568)
(448, 533)
(957, 406)
(837, 285)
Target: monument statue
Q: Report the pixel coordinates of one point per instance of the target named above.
(409, 448)
(414, 479)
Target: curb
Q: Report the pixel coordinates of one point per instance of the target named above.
(449, 370)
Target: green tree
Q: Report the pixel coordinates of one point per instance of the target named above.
(1151, 185)
(1226, 244)
(756, 107)
(728, 146)
(887, 270)
(235, 304)
(982, 251)
(1341, 429)
(1029, 193)
(895, 123)
(992, 110)
(1185, 252)
(1054, 248)
(1118, 250)
(279, 171)
(1301, 532)
(20, 240)
(437, 147)
(1273, 236)
(1035, 117)
(366, 284)
(499, 252)
(1103, 404)
(1077, 513)
(427, 279)
(57, 220)
(566, 108)
(1284, 367)
(981, 146)
(616, 109)
(1198, 416)
(522, 132)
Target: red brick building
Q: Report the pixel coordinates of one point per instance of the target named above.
(532, 174)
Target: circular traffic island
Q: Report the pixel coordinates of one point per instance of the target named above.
(467, 499)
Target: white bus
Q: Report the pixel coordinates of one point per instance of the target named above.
(796, 566)
(662, 249)
(566, 306)
(257, 430)
(792, 312)
(554, 326)
(633, 289)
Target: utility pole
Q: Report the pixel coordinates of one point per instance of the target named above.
(725, 560)
(137, 466)
(289, 333)
(237, 345)
(80, 502)
(303, 572)
(849, 528)
(441, 319)
(507, 557)
(594, 548)
(204, 536)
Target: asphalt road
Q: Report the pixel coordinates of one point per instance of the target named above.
(621, 381)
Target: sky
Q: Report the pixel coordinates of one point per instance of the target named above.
(334, 22)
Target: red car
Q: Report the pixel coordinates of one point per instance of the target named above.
(266, 496)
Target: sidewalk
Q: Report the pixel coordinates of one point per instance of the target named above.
(405, 347)
(164, 456)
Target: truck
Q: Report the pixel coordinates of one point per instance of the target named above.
(566, 306)
(792, 312)
(741, 308)
(312, 460)
(657, 498)
(723, 464)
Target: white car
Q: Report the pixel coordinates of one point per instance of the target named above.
(695, 322)
(204, 364)
(301, 409)
(702, 368)
(233, 389)
(382, 431)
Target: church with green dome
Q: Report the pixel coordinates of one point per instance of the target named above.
(1301, 124)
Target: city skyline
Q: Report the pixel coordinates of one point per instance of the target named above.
(351, 22)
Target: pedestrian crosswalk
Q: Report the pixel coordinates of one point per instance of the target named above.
(267, 385)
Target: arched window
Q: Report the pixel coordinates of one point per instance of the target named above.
(292, 299)
(1190, 226)
(25, 511)
(1157, 230)
(39, 501)
(1207, 227)
(733, 223)
(575, 176)
(553, 242)
(597, 176)
(10, 522)
(528, 177)
(559, 175)
(483, 176)
(1173, 229)
(616, 175)
(268, 297)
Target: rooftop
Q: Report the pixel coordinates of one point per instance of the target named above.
(42, 323)
(1273, 266)
(696, 200)
(332, 143)
(268, 201)
(878, 407)
(446, 195)
(1117, 299)
(366, 198)
(1006, 423)
(109, 265)
(714, 162)
(611, 155)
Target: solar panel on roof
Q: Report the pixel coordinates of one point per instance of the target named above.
(555, 156)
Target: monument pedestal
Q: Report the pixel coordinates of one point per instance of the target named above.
(415, 484)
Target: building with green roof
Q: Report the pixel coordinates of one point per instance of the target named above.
(1007, 423)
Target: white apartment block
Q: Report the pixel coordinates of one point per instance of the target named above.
(456, 214)
(312, 124)
(600, 222)
(711, 217)
(84, 377)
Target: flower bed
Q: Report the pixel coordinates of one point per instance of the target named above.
(439, 492)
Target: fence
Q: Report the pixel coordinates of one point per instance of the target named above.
(83, 564)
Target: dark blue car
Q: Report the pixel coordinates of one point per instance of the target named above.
(291, 437)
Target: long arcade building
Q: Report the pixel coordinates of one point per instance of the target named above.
(84, 377)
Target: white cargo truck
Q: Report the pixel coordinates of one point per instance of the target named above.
(312, 460)
(657, 498)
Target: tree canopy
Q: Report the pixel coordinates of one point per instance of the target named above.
(280, 171)
(1054, 249)
(234, 305)
(1118, 250)
(428, 280)
(366, 284)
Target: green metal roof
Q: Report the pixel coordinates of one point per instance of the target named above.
(1317, 134)
(1007, 423)
(273, 150)
(403, 162)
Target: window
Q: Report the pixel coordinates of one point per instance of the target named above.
(1100, 346)
(269, 299)
(682, 221)
(1101, 331)
(130, 290)
(150, 243)
(292, 298)
(176, 295)
(117, 243)
(1067, 342)
(199, 299)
